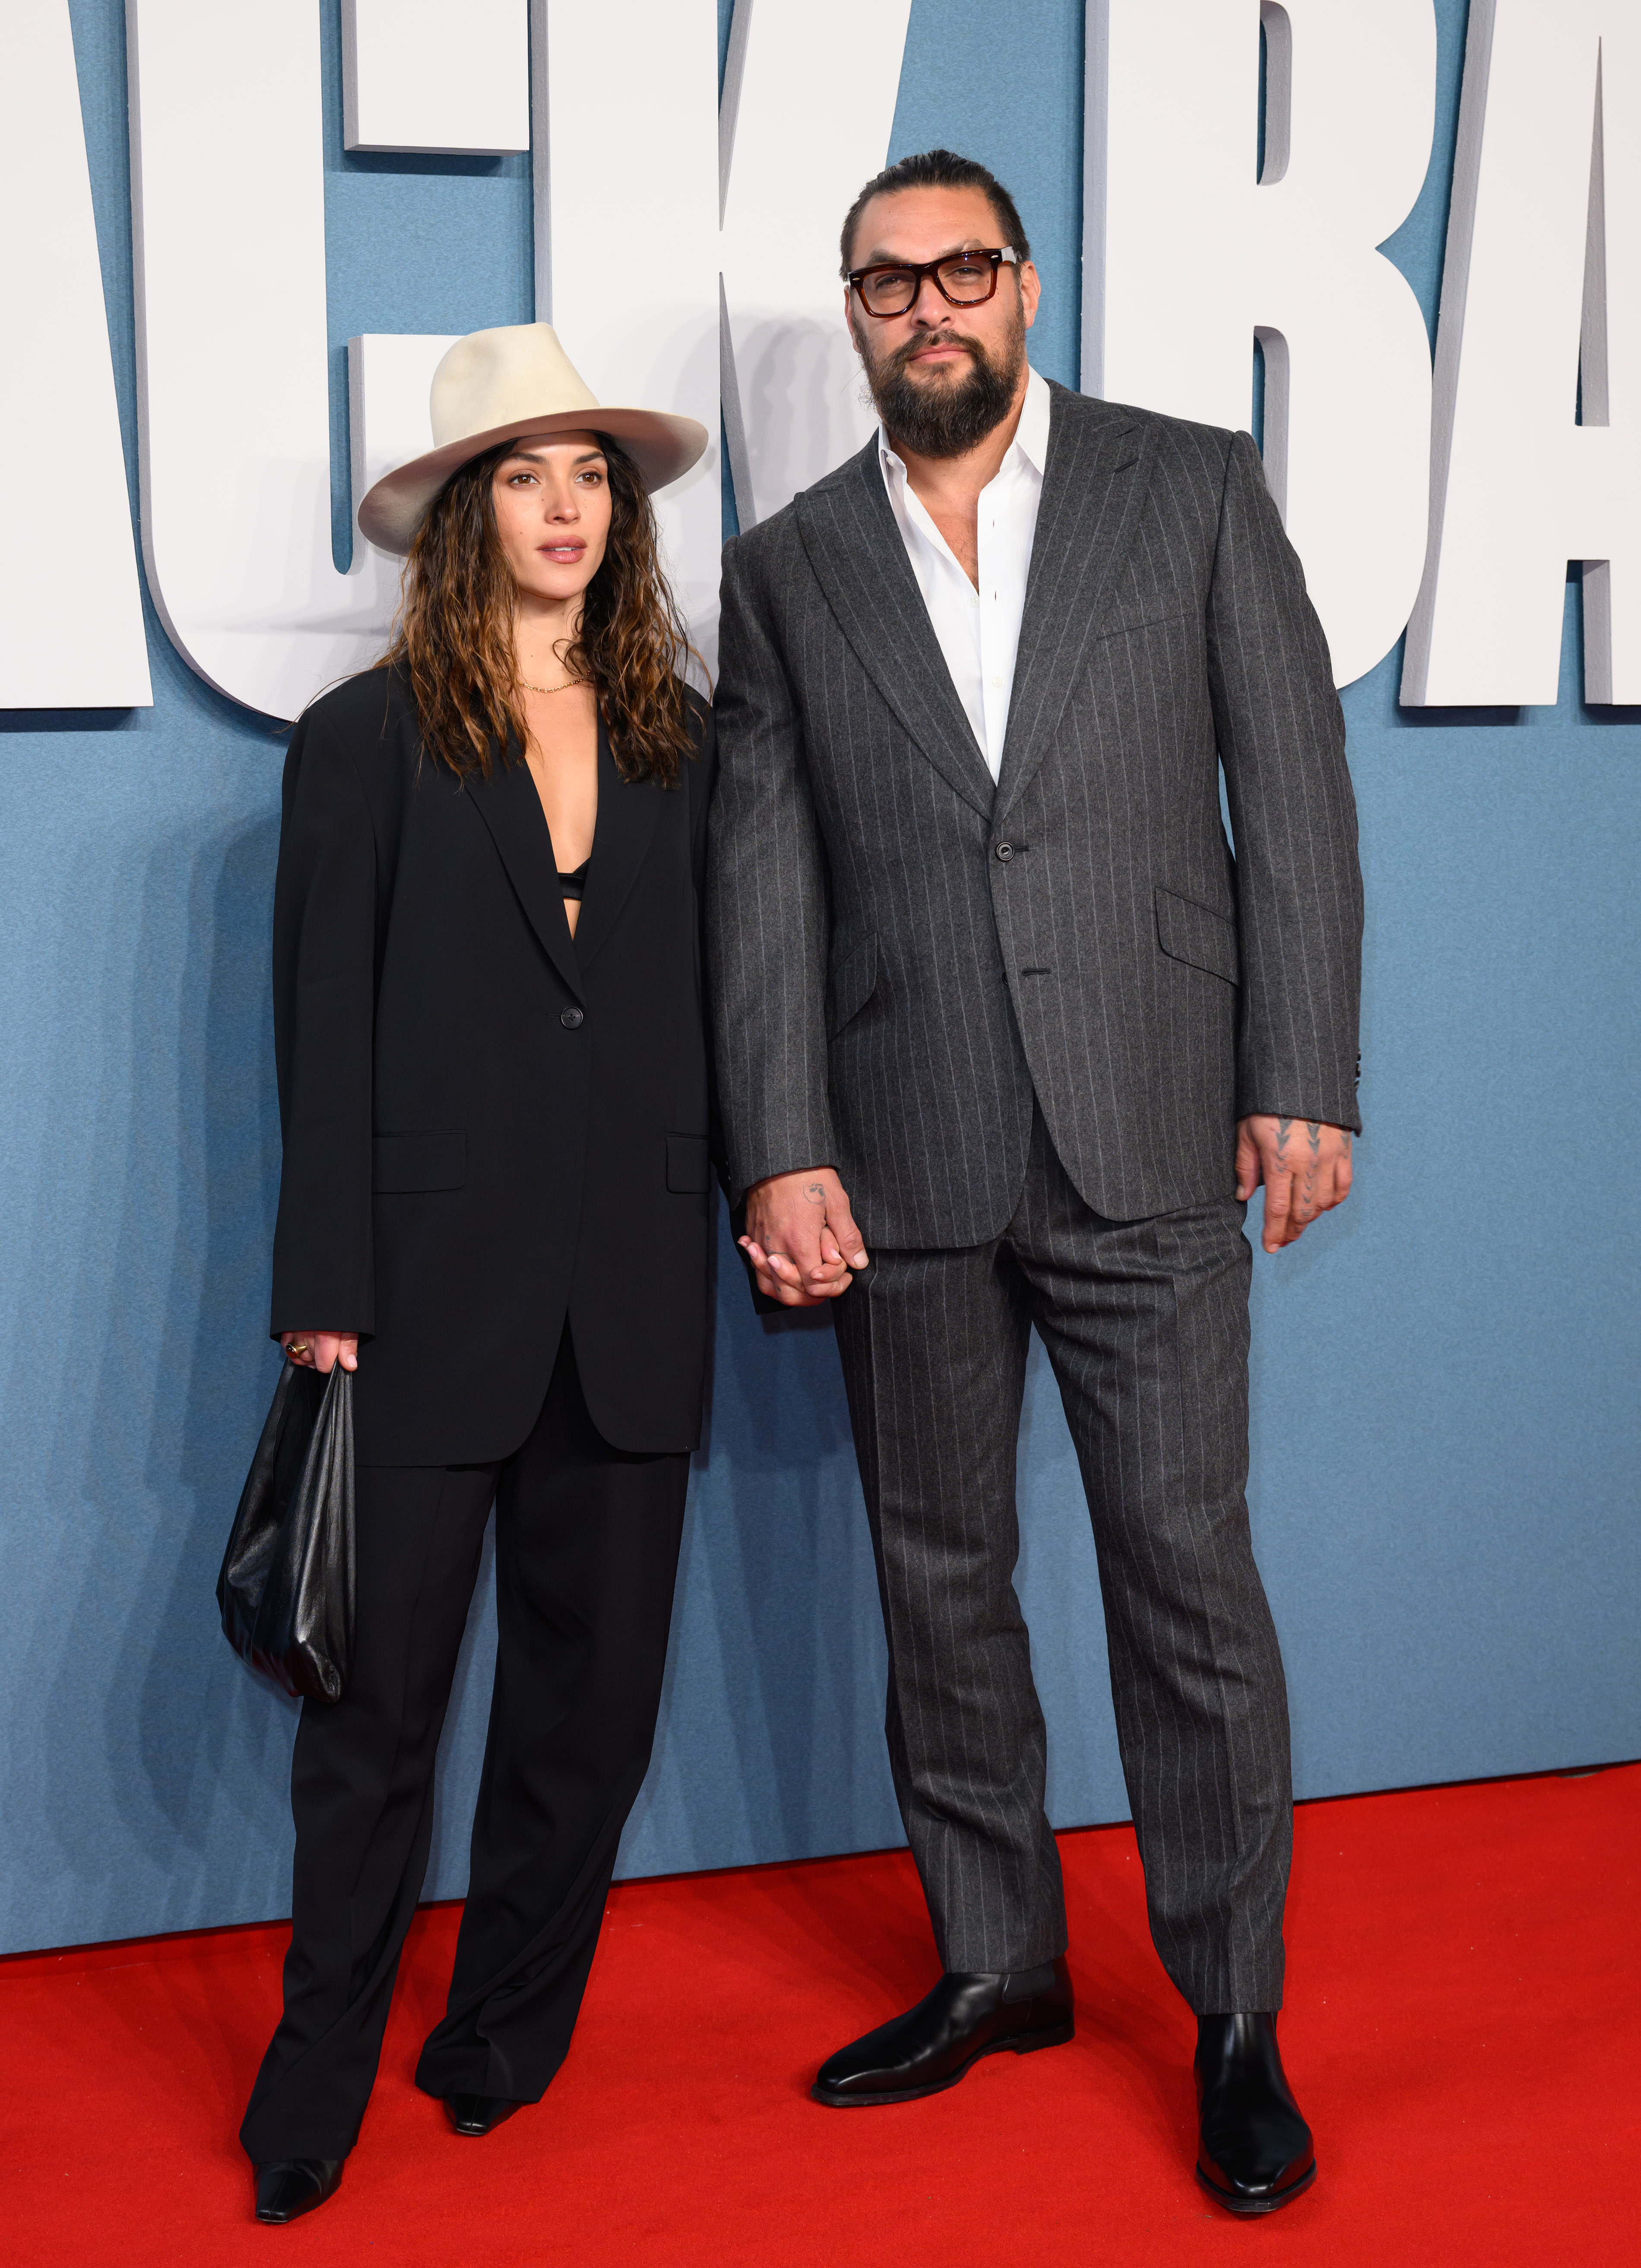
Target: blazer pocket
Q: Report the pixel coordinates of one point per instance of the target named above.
(404, 1164)
(689, 1168)
(1146, 619)
(853, 981)
(1196, 934)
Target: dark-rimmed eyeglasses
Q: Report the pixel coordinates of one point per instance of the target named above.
(963, 279)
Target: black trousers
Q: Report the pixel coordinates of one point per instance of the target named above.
(1146, 1325)
(587, 1554)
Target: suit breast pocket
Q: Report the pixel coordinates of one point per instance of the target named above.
(406, 1164)
(1197, 935)
(1144, 614)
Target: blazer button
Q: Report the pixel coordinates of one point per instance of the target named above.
(571, 1018)
(1005, 852)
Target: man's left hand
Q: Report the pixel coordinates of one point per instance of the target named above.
(1304, 1165)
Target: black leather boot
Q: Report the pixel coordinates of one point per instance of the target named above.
(969, 2015)
(477, 2114)
(289, 2187)
(1256, 2152)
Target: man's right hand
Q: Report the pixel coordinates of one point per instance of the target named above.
(800, 1237)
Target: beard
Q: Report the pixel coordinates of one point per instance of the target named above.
(948, 415)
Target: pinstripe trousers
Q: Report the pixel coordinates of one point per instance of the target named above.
(1146, 1325)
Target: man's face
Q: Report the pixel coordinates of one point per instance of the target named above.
(941, 376)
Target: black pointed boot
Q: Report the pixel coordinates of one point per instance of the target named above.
(969, 2015)
(289, 2187)
(1256, 2152)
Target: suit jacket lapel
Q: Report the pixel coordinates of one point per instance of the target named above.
(1093, 488)
(853, 543)
(507, 803)
(627, 813)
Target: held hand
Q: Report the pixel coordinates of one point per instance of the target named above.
(1304, 1165)
(322, 1351)
(800, 1237)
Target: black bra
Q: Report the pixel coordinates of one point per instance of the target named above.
(574, 885)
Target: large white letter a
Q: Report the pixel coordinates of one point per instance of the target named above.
(1541, 309)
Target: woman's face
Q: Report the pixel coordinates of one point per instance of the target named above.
(551, 493)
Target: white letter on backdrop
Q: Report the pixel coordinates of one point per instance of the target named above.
(809, 106)
(58, 417)
(627, 225)
(1542, 281)
(441, 75)
(390, 376)
(227, 194)
(1186, 256)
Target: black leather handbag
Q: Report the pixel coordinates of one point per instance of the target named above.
(286, 1584)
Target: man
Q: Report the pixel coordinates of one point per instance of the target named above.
(987, 979)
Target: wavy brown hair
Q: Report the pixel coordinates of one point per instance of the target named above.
(455, 630)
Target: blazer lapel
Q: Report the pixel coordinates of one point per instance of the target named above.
(1094, 485)
(507, 803)
(853, 543)
(627, 813)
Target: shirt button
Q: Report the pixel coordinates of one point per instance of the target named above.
(1005, 852)
(571, 1018)
(997, 680)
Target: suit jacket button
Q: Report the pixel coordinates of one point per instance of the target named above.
(1005, 852)
(571, 1018)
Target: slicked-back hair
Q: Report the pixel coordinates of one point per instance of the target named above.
(936, 169)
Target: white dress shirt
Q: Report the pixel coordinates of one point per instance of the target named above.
(978, 629)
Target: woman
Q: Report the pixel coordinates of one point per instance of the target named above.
(494, 1089)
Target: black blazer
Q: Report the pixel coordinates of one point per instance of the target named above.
(489, 1125)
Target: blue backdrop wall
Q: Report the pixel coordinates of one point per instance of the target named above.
(1445, 1426)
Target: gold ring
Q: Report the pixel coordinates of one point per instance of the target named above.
(298, 1346)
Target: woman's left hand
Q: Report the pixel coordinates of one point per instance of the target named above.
(322, 1351)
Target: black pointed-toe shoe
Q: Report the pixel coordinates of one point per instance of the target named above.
(477, 2114)
(969, 2015)
(1256, 2152)
(291, 2187)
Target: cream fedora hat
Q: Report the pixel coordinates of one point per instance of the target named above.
(516, 379)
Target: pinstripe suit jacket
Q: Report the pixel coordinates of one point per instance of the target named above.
(902, 953)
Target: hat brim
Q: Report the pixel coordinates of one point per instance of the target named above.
(662, 446)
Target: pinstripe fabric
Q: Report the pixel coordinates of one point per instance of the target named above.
(1146, 1326)
(1022, 1021)
(890, 992)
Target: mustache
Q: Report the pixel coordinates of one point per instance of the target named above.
(903, 356)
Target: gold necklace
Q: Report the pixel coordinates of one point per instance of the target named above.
(526, 687)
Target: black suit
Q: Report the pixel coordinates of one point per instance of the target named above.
(496, 1163)
(461, 1085)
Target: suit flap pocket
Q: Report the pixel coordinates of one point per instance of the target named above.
(852, 984)
(689, 1168)
(1142, 618)
(403, 1163)
(1193, 933)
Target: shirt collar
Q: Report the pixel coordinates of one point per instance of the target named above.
(1031, 435)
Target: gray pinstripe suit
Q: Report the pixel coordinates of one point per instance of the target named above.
(1022, 1023)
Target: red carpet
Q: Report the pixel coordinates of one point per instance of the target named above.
(1464, 2028)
